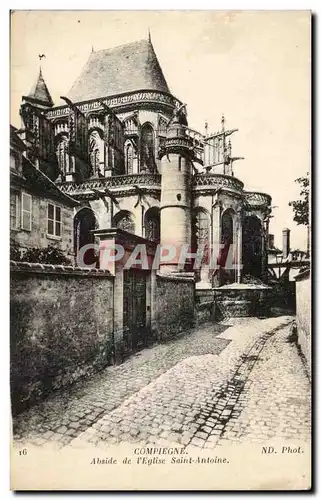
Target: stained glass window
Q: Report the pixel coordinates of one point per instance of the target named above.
(152, 225)
(62, 155)
(227, 228)
(129, 159)
(147, 149)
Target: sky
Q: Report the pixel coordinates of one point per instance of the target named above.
(253, 66)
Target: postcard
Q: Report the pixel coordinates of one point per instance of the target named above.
(160, 250)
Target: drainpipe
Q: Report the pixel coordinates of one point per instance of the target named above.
(285, 242)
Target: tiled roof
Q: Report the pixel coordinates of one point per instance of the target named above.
(40, 93)
(122, 69)
(38, 180)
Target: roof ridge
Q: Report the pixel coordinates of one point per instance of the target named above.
(122, 45)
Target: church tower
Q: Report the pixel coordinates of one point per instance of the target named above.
(39, 94)
(37, 132)
(176, 202)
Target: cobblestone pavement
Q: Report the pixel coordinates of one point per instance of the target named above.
(69, 412)
(199, 401)
(275, 397)
(245, 384)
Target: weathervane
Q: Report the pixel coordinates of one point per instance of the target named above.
(223, 122)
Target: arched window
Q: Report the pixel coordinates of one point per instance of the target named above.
(96, 153)
(147, 148)
(227, 254)
(124, 220)
(62, 152)
(14, 160)
(202, 227)
(152, 225)
(129, 156)
(84, 223)
(201, 237)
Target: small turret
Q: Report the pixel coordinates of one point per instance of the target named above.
(177, 155)
(32, 107)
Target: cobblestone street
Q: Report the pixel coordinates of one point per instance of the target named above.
(243, 381)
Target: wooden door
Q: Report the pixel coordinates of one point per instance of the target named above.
(134, 319)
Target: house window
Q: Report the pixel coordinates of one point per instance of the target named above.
(26, 211)
(13, 211)
(54, 220)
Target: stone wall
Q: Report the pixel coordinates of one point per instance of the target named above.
(204, 305)
(283, 295)
(173, 305)
(241, 301)
(303, 315)
(61, 328)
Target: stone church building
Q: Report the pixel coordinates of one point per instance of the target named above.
(119, 143)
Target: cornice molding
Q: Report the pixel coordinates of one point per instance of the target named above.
(119, 102)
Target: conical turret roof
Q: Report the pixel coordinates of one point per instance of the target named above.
(40, 93)
(127, 68)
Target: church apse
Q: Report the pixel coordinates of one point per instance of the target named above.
(124, 142)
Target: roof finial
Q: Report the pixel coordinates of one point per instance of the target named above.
(229, 148)
(149, 36)
(92, 48)
(223, 122)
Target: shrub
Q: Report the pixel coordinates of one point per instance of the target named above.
(15, 251)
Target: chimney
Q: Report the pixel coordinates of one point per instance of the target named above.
(271, 241)
(285, 242)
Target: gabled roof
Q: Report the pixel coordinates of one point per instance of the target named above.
(122, 69)
(40, 93)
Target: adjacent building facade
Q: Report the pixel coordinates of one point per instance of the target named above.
(40, 213)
